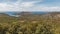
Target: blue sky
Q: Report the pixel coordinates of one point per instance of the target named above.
(29, 5)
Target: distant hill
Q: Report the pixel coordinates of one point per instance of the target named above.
(30, 15)
(37, 16)
(6, 18)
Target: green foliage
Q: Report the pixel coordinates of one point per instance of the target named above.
(29, 25)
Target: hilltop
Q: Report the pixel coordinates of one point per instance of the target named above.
(30, 23)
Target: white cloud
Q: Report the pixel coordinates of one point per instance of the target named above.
(19, 5)
(9, 7)
(45, 8)
(27, 6)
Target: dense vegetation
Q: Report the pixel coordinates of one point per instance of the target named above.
(30, 24)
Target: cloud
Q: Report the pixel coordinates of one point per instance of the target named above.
(43, 8)
(26, 5)
(8, 7)
(19, 5)
(46, 8)
(5, 6)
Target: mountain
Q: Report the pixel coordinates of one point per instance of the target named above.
(30, 15)
(38, 16)
(30, 23)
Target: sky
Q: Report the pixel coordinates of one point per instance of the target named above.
(29, 5)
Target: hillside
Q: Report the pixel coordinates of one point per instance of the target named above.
(51, 18)
(30, 23)
(6, 18)
(29, 15)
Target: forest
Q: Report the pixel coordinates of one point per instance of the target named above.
(28, 23)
